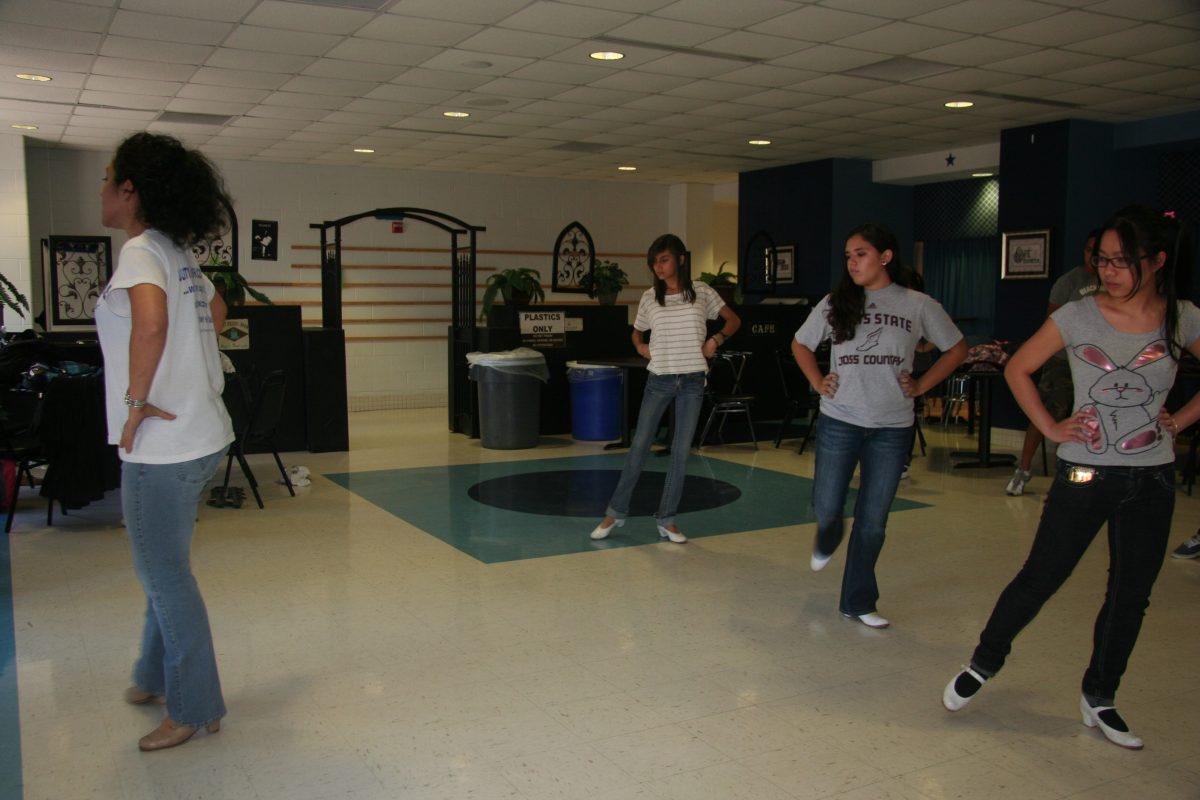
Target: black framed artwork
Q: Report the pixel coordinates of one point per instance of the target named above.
(574, 259)
(264, 240)
(75, 270)
(1025, 255)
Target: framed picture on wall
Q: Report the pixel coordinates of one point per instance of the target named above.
(75, 270)
(785, 264)
(1025, 255)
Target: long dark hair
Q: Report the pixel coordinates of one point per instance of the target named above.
(669, 242)
(180, 192)
(1144, 233)
(848, 300)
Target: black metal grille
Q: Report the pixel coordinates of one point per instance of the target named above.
(967, 209)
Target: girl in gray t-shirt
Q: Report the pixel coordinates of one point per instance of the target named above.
(874, 323)
(1116, 457)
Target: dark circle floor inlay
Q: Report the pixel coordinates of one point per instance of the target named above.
(586, 492)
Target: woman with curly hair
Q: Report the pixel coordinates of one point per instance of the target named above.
(157, 320)
(875, 322)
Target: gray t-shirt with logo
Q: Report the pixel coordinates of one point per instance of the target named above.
(869, 365)
(1077, 284)
(1121, 379)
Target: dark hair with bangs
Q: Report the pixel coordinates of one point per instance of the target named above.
(848, 300)
(670, 243)
(1144, 233)
(180, 192)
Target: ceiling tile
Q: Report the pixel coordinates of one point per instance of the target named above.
(287, 112)
(830, 58)
(635, 56)
(244, 79)
(54, 14)
(410, 94)
(656, 30)
(1107, 72)
(221, 10)
(1045, 62)
(331, 86)
(169, 29)
(1183, 55)
(725, 14)
(305, 17)
(513, 87)
(637, 81)
(709, 90)
(564, 20)
(208, 106)
(440, 79)
(353, 70)
(985, 16)
(48, 59)
(729, 111)
(477, 11)
(1133, 41)
(389, 108)
(47, 94)
(977, 51)
(118, 113)
(554, 70)
(818, 24)
(38, 37)
(196, 91)
(228, 58)
(273, 40)
(896, 9)
(1160, 82)
(693, 66)
(1191, 20)
(294, 100)
(1149, 10)
(379, 52)
(900, 38)
(780, 98)
(754, 45)
(1033, 87)
(764, 75)
(661, 104)
(152, 70)
(590, 95)
(1064, 28)
(900, 95)
(516, 43)
(270, 124)
(416, 30)
(897, 114)
(121, 100)
(839, 85)
(62, 80)
(104, 83)
(965, 80)
(842, 105)
(453, 60)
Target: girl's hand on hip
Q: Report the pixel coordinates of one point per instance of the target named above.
(909, 385)
(136, 415)
(828, 386)
(1081, 427)
(1166, 421)
(644, 350)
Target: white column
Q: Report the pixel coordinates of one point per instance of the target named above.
(691, 219)
(14, 225)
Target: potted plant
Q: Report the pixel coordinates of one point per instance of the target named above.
(233, 287)
(724, 282)
(518, 287)
(605, 282)
(11, 297)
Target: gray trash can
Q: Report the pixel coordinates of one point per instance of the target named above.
(509, 396)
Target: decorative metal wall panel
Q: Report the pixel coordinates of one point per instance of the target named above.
(574, 258)
(75, 270)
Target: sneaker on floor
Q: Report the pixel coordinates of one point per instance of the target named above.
(904, 474)
(1016, 485)
(959, 691)
(1189, 549)
(870, 619)
(1110, 724)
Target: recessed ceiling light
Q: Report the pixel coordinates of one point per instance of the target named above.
(959, 104)
(627, 169)
(28, 76)
(455, 114)
(759, 142)
(607, 55)
(982, 174)
(23, 127)
(363, 150)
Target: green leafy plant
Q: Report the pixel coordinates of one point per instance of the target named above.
(12, 297)
(723, 279)
(233, 288)
(605, 281)
(517, 286)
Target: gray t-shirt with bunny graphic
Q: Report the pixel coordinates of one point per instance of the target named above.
(1121, 379)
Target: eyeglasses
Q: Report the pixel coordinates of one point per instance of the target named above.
(1116, 262)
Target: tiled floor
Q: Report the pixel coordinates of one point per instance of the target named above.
(365, 658)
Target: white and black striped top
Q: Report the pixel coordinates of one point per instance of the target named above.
(677, 329)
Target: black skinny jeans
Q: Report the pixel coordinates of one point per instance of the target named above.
(1137, 503)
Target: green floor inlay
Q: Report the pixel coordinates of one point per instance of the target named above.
(435, 500)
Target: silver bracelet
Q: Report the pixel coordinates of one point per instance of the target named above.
(129, 401)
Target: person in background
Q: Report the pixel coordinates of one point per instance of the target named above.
(676, 311)
(1190, 547)
(1116, 460)
(157, 320)
(1054, 385)
(874, 321)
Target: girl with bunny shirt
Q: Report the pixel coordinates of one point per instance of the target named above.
(1116, 457)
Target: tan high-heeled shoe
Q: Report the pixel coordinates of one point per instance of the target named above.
(136, 697)
(172, 734)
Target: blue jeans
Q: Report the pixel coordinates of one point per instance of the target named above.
(882, 453)
(177, 658)
(687, 392)
(1137, 503)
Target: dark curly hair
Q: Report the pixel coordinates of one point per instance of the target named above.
(1144, 233)
(848, 300)
(180, 192)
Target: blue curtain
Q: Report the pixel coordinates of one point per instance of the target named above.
(961, 275)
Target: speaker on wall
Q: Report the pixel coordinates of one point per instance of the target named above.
(325, 390)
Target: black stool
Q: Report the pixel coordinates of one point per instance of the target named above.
(732, 402)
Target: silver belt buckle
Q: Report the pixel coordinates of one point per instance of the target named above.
(1079, 474)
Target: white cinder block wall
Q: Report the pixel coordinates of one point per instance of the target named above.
(523, 215)
(14, 224)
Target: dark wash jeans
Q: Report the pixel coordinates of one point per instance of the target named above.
(881, 452)
(1137, 503)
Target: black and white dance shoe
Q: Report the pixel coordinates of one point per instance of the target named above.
(1110, 724)
(870, 619)
(962, 688)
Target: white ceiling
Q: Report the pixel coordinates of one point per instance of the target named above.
(307, 82)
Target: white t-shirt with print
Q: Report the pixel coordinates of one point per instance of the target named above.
(678, 329)
(189, 381)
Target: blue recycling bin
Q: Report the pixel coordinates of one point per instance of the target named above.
(595, 402)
